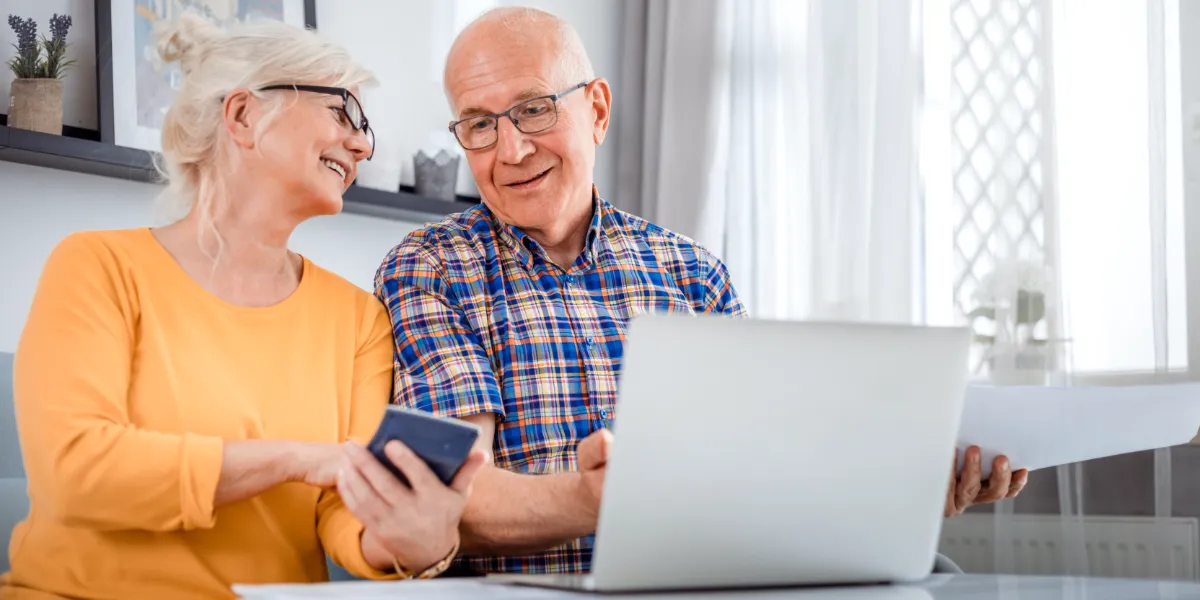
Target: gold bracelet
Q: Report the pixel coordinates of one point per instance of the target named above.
(437, 569)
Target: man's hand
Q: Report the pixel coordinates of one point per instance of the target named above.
(592, 457)
(512, 513)
(966, 489)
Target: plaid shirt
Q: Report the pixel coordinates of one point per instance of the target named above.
(484, 322)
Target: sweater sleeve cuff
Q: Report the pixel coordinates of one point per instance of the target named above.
(201, 471)
(343, 542)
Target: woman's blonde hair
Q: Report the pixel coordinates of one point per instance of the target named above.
(215, 62)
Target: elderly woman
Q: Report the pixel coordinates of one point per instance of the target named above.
(188, 397)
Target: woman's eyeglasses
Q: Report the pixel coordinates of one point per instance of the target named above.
(351, 108)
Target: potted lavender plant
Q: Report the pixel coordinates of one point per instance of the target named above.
(36, 93)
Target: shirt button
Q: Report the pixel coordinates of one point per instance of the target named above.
(604, 414)
(590, 341)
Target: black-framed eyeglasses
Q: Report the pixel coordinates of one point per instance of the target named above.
(351, 108)
(531, 116)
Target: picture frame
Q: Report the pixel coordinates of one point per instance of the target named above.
(133, 91)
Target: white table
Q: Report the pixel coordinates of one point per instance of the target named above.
(937, 587)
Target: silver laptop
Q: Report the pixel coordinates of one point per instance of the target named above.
(755, 453)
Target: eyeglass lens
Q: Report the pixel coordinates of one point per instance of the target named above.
(354, 112)
(534, 116)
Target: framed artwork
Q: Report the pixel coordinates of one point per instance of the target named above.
(135, 87)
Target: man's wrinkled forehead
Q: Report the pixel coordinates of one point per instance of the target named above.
(488, 73)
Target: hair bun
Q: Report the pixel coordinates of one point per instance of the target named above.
(184, 39)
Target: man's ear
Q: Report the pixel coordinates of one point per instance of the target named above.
(601, 97)
(241, 110)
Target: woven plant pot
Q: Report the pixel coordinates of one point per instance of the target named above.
(36, 105)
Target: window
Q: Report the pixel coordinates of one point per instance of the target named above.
(1051, 132)
(1115, 172)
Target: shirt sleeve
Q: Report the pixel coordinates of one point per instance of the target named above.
(339, 530)
(720, 296)
(441, 365)
(86, 462)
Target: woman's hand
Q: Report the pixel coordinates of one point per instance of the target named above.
(417, 525)
(319, 463)
(251, 467)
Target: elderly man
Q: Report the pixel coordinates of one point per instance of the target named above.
(511, 315)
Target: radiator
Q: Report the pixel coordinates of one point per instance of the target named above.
(1134, 547)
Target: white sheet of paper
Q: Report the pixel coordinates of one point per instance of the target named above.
(1038, 427)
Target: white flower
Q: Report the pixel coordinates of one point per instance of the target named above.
(1008, 278)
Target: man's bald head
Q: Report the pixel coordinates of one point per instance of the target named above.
(533, 166)
(541, 40)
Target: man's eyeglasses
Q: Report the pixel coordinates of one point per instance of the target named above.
(531, 116)
(351, 108)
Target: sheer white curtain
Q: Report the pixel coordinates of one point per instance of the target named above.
(781, 135)
(1093, 112)
(1119, 207)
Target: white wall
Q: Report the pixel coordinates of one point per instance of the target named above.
(38, 207)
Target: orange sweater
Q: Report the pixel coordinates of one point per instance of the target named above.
(128, 377)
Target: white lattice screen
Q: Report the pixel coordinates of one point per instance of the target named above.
(998, 128)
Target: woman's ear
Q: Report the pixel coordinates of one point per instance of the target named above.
(241, 110)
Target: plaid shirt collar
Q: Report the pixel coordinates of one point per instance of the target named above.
(525, 249)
